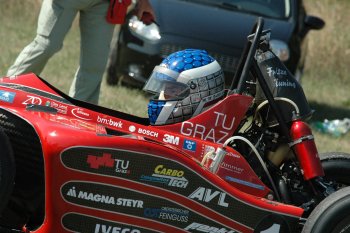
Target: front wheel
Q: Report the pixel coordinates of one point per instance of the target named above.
(331, 215)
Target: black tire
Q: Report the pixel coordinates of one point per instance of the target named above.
(337, 167)
(7, 169)
(113, 73)
(332, 215)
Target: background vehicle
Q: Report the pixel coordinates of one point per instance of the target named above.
(267, 177)
(219, 27)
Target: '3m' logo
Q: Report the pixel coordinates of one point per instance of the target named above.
(171, 139)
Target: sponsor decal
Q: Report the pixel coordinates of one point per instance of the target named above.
(233, 155)
(71, 192)
(8, 78)
(272, 71)
(148, 132)
(222, 124)
(161, 170)
(96, 162)
(167, 213)
(110, 122)
(32, 100)
(207, 195)
(120, 165)
(61, 108)
(132, 128)
(128, 202)
(101, 130)
(273, 224)
(285, 84)
(189, 145)
(79, 113)
(167, 176)
(208, 229)
(231, 167)
(171, 139)
(102, 228)
(73, 122)
(7, 96)
(208, 149)
(84, 223)
(104, 199)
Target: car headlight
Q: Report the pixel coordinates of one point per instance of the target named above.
(280, 48)
(139, 29)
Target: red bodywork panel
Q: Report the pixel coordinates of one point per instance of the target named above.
(110, 170)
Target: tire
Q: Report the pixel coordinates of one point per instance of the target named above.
(7, 169)
(112, 70)
(337, 167)
(332, 215)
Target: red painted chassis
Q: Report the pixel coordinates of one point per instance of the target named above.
(105, 170)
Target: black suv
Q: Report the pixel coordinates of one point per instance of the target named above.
(218, 26)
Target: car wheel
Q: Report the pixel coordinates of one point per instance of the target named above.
(7, 169)
(331, 215)
(113, 75)
(113, 69)
(336, 166)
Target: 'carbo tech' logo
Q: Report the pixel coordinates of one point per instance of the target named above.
(170, 177)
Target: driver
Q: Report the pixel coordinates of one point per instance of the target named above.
(185, 84)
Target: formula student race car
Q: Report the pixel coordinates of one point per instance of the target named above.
(249, 163)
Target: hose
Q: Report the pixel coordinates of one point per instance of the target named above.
(231, 139)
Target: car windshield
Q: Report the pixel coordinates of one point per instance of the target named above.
(268, 8)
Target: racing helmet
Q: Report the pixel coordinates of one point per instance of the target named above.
(185, 84)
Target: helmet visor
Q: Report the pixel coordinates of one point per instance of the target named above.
(163, 82)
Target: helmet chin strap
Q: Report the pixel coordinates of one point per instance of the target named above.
(166, 112)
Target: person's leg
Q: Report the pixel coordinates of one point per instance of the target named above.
(96, 36)
(55, 19)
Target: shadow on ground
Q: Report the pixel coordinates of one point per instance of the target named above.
(324, 111)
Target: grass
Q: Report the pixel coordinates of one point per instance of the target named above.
(327, 72)
(326, 80)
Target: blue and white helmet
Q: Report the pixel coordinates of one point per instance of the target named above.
(185, 84)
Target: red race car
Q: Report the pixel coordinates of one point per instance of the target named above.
(248, 163)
